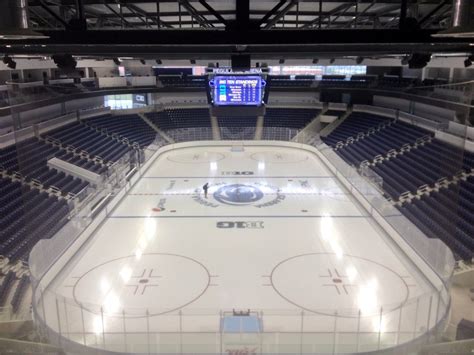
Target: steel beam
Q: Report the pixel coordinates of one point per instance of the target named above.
(145, 14)
(271, 12)
(194, 13)
(432, 12)
(101, 2)
(118, 14)
(53, 14)
(334, 11)
(359, 15)
(213, 12)
(280, 14)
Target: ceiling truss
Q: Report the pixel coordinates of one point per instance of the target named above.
(205, 28)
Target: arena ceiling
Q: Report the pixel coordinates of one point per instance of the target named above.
(217, 14)
(213, 28)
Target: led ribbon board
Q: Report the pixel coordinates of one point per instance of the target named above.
(237, 90)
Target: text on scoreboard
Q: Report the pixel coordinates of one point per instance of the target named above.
(237, 90)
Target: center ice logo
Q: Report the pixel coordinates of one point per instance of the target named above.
(257, 194)
(238, 194)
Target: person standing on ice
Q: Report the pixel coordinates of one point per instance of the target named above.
(205, 188)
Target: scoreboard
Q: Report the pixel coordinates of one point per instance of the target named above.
(243, 90)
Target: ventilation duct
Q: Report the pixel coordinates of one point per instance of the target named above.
(14, 20)
(462, 20)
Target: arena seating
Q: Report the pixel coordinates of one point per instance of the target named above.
(183, 124)
(289, 117)
(131, 127)
(5, 286)
(423, 165)
(447, 214)
(29, 158)
(19, 293)
(195, 81)
(27, 215)
(300, 81)
(355, 123)
(89, 140)
(14, 285)
(237, 127)
(180, 118)
(380, 142)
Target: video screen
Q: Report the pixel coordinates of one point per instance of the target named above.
(237, 90)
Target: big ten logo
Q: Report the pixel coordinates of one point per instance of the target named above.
(242, 351)
(240, 225)
(241, 173)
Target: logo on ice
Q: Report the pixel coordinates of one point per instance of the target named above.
(240, 225)
(242, 351)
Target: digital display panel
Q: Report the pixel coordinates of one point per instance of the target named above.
(237, 90)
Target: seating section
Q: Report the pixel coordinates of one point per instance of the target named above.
(13, 290)
(300, 81)
(380, 142)
(27, 215)
(183, 124)
(289, 117)
(355, 123)
(448, 215)
(5, 287)
(423, 165)
(20, 291)
(84, 138)
(131, 127)
(195, 81)
(237, 127)
(181, 118)
(278, 133)
(29, 158)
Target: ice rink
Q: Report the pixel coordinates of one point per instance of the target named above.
(277, 235)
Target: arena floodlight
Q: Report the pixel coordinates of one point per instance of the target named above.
(419, 60)
(468, 61)
(9, 62)
(65, 62)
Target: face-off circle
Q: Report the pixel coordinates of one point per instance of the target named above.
(277, 157)
(196, 158)
(339, 284)
(159, 283)
(238, 194)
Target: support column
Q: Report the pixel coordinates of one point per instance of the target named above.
(216, 132)
(259, 128)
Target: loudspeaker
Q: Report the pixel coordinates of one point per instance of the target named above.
(240, 62)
